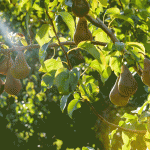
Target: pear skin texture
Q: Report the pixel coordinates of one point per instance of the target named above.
(1, 86)
(12, 86)
(127, 85)
(82, 33)
(20, 69)
(146, 72)
(116, 98)
(80, 8)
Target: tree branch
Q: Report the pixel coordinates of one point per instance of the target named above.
(100, 24)
(111, 124)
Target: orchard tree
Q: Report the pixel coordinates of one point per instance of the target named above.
(90, 58)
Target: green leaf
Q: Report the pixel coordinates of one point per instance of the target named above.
(141, 109)
(48, 78)
(73, 105)
(103, 2)
(125, 138)
(42, 55)
(63, 102)
(128, 116)
(62, 80)
(74, 76)
(43, 35)
(91, 49)
(138, 45)
(113, 11)
(68, 19)
(97, 66)
(76, 96)
(52, 64)
(105, 74)
(128, 19)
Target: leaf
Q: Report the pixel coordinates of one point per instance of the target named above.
(91, 49)
(128, 19)
(48, 78)
(105, 74)
(113, 11)
(103, 2)
(73, 105)
(97, 66)
(68, 19)
(42, 55)
(62, 80)
(43, 35)
(63, 102)
(128, 116)
(74, 76)
(51, 64)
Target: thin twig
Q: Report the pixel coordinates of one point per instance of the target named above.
(68, 61)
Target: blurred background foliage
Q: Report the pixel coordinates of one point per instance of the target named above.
(33, 119)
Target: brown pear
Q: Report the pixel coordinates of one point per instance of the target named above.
(80, 8)
(20, 69)
(1, 86)
(146, 72)
(127, 85)
(116, 98)
(12, 86)
(82, 32)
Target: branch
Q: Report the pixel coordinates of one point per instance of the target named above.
(68, 61)
(100, 24)
(111, 124)
(29, 47)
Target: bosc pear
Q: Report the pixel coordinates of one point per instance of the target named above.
(80, 8)
(82, 33)
(127, 85)
(116, 98)
(20, 68)
(146, 72)
(12, 86)
(4, 64)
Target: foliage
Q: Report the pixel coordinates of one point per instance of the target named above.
(51, 111)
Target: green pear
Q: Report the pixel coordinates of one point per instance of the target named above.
(12, 86)
(127, 85)
(115, 97)
(20, 68)
(146, 72)
(82, 33)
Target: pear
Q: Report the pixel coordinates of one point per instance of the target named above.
(146, 72)
(1, 86)
(116, 98)
(12, 86)
(82, 32)
(20, 68)
(4, 64)
(80, 8)
(127, 85)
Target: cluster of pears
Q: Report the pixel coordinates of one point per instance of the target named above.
(14, 71)
(82, 33)
(124, 87)
(80, 8)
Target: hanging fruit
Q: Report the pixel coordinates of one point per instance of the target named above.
(127, 85)
(80, 8)
(12, 86)
(20, 68)
(1, 86)
(82, 32)
(116, 98)
(146, 72)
